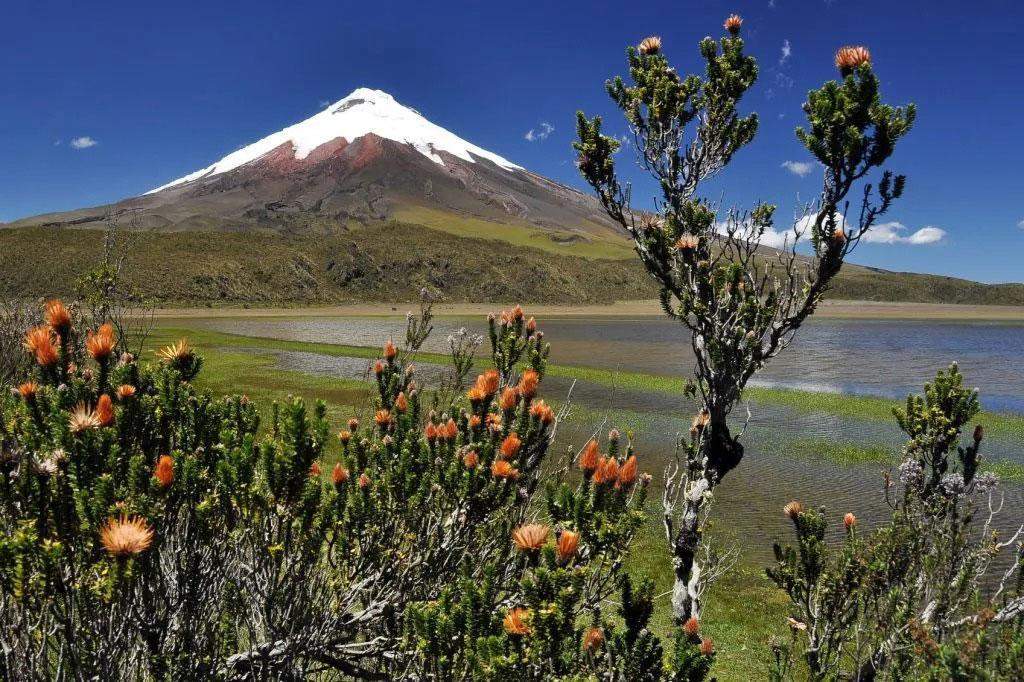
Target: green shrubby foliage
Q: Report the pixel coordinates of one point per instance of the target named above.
(151, 531)
(915, 599)
(741, 302)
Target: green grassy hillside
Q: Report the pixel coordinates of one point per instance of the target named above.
(391, 262)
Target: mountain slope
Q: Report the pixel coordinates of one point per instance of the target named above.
(368, 200)
(385, 262)
(365, 158)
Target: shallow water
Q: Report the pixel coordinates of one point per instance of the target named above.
(887, 358)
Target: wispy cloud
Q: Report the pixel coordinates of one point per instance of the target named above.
(83, 142)
(325, 103)
(884, 233)
(787, 50)
(539, 133)
(800, 168)
(1020, 223)
(894, 233)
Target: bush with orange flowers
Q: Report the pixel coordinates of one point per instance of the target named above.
(115, 506)
(135, 499)
(740, 308)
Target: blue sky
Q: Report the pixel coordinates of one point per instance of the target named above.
(106, 100)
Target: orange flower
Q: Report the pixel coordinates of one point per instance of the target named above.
(82, 418)
(627, 472)
(164, 471)
(849, 521)
(58, 316)
(451, 429)
(353, 424)
(344, 436)
(37, 336)
(528, 383)
(493, 420)
(593, 639)
(474, 421)
(126, 536)
(101, 343)
(488, 381)
(105, 410)
(568, 542)
(401, 402)
(390, 351)
(378, 368)
(589, 458)
(650, 45)
(28, 390)
(516, 622)
(40, 342)
(851, 57)
(364, 480)
(793, 510)
(687, 242)
(543, 412)
(509, 398)
(733, 23)
(339, 474)
(503, 470)
(691, 626)
(475, 394)
(607, 471)
(486, 385)
(471, 459)
(531, 537)
(314, 470)
(382, 417)
(430, 431)
(531, 326)
(125, 391)
(510, 446)
(707, 647)
(176, 352)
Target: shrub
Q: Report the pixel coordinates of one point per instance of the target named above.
(915, 599)
(741, 301)
(151, 531)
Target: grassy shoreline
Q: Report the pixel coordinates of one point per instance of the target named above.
(858, 407)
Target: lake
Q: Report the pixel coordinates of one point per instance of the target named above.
(884, 358)
(878, 358)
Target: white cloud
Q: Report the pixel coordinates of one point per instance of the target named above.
(800, 168)
(893, 233)
(83, 142)
(787, 50)
(1020, 223)
(540, 133)
(884, 233)
(325, 103)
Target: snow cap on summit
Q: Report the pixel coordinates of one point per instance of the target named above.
(364, 111)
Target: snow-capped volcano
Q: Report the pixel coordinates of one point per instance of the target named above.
(364, 159)
(364, 111)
